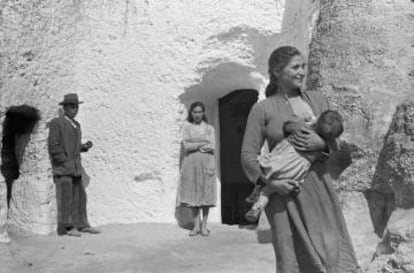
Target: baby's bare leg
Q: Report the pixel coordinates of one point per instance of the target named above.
(254, 213)
(264, 196)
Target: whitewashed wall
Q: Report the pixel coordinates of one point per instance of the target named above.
(137, 64)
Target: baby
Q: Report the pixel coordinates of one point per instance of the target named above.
(285, 162)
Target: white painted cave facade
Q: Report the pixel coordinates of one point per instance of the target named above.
(138, 70)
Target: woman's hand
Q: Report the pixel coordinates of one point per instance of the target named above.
(205, 148)
(307, 140)
(284, 186)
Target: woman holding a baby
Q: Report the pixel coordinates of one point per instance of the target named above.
(308, 227)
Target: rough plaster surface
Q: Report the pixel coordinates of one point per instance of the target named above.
(36, 65)
(137, 65)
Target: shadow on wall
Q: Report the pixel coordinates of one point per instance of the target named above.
(381, 201)
(341, 159)
(381, 197)
(17, 128)
(217, 82)
(296, 31)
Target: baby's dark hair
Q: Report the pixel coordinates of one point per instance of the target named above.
(329, 125)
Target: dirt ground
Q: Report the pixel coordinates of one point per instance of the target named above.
(139, 248)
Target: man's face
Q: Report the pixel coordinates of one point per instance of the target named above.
(71, 110)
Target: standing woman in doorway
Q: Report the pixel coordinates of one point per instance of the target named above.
(197, 188)
(308, 228)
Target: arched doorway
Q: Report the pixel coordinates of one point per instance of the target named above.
(235, 187)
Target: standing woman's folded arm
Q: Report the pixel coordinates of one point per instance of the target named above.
(189, 144)
(210, 145)
(252, 143)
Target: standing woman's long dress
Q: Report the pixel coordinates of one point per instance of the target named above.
(197, 186)
(309, 230)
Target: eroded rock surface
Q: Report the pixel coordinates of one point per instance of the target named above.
(361, 56)
(395, 177)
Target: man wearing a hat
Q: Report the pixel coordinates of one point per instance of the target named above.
(64, 144)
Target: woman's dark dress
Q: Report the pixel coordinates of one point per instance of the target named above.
(309, 230)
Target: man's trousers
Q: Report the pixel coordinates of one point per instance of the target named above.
(71, 203)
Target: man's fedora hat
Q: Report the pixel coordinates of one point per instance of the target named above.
(70, 99)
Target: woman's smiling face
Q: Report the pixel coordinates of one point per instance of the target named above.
(292, 75)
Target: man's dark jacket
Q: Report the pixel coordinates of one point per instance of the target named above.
(64, 144)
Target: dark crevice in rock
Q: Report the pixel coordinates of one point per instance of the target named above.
(381, 205)
(17, 127)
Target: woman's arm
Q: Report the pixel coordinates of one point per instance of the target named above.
(307, 140)
(189, 144)
(252, 143)
(211, 141)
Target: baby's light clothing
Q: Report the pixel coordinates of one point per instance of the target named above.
(284, 162)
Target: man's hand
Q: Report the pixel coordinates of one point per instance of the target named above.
(87, 145)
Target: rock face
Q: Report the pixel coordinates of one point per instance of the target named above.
(137, 65)
(395, 171)
(365, 67)
(395, 177)
(361, 56)
(396, 251)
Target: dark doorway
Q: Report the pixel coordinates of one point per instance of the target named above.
(17, 128)
(235, 187)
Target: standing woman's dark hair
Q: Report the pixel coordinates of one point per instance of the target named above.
(190, 111)
(279, 58)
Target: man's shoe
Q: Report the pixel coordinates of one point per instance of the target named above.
(62, 229)
(90, 230)
(73, 232)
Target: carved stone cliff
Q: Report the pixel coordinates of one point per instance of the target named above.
(361, 56)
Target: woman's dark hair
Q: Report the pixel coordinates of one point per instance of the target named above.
(279, 58)
(194, 105)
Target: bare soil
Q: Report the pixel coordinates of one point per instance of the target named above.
(139, 248)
